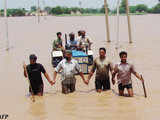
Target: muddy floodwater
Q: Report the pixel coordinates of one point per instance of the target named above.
(26, 36)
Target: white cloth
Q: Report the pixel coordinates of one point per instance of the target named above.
(68, 68)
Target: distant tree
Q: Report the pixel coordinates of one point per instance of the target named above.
(48, 9)
(141, 8)
(122, 8)
(132, 9)
(16, 12)
(156, 9)
(102, 10)
(57, 10)
(123, 4)
(33, 8)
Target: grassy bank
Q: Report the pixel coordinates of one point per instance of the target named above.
(99, 14)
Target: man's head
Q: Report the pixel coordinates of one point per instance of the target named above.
(72, 35)
(59, 34)
(32, 58)
(83, 33)
(102, 52)
(79, 32)
(123, 56)
(68, 55)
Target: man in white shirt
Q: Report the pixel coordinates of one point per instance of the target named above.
(69, 68)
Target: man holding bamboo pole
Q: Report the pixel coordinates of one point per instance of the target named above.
(123, 71)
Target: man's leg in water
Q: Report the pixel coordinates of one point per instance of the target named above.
(98, 85)
(38, 91)
(121, 89)
(65, 89)
(130, 92)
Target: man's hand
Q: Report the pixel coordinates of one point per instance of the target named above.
(86, 82)
(24, 66)
(52, 82)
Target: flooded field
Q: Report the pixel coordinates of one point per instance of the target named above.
(26, 36)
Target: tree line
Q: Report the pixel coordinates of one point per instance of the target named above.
(58, 10)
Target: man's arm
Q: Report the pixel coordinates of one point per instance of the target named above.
(111, 67)
(82, 76)
(54, 45)
(92, 71)
(54, 76)
(78, 69)
(25, 70)
(48, 78)
(57, 69)
(138, 76)
(115, 70)
(135, 73)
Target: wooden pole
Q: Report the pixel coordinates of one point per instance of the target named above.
(107, 21)
(129, 23)
(6, 24)
(117, 43)
(38, 11)
(144, 88)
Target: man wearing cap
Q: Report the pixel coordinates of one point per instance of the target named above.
(84, 41)
(69, 68)
(57, 44)
(33, 72)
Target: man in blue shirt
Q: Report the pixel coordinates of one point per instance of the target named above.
(72, 43)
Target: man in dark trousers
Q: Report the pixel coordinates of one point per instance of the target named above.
(33, 72)
(123, 70)
(102, 65)
(69, 67)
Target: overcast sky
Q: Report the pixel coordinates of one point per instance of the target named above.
(70, 3)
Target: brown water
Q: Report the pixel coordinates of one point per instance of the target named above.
(26, 37)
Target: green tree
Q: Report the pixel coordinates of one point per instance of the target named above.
(48, 9)
(132, 9)
(102, 10)
(33, 8)
(57, 10)
(123, 4)
(141, 8)
(156, 9)
(122, 8)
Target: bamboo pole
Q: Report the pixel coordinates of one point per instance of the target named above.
(38, 11)
(117, 42)
(107, 21)
(6, 24)
(129, 22)
(144, 88)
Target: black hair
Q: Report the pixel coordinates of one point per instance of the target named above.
(59, 33)
(102, 48)
(71, 34)
(122, 53)
(33, 57)
(79, 32)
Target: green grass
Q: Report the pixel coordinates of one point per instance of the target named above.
(97, 14)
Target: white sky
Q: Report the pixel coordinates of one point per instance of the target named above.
(70, 3)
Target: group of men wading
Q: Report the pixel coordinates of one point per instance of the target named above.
(69, 67)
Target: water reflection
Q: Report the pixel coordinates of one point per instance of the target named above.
(37, 109)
